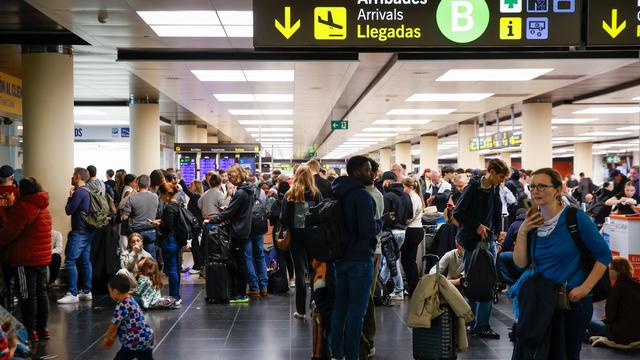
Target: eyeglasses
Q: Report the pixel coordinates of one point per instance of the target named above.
(539, 187)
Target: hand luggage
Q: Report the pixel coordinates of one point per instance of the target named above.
(278, 284)
(320, 345)
(439, 341)
(217, 283)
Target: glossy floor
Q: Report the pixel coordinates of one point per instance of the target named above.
(261, 330)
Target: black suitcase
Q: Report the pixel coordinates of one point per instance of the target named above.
(217, 283)
(439, 341)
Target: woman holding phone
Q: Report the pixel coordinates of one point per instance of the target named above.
(555, 254)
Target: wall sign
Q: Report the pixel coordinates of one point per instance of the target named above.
(415, 23)
(101, 133)
(614, 23)
(10, 95)
(500, 140)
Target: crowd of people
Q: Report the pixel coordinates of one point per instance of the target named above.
(525, 219)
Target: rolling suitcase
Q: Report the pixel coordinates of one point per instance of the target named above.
(439, 341)
(217, 283)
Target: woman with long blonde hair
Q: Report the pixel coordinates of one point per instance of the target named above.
(298, 199)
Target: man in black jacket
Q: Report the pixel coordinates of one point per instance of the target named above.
(479, 212)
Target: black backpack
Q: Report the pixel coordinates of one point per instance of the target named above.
(603, 288)
(216, 242)
(259, 225)
(276, 209)
(188, 226)
(326, 237)
(481, 279)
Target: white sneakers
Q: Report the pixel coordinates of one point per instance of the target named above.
(396, 297)
(74, 299)
(298, 316)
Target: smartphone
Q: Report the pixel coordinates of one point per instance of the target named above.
(530, 204)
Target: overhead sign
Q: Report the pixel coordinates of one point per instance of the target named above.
(101, 133)
(10, 95)
(216, 148)
(500, 140)
(614, 23)
(416, 23)
(339, 125)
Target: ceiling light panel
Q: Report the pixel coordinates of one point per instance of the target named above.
(238, 31)
(260, 112)
(236, 17)
(381, 129)
(274, 97)
(472, 75)
(101, 122)
(610, 110)
(270, 75)
(572, 138)
(189, 30)
(245, 75)
(179, 17)
(219, 75)
(265, 122)
(420, 111)
(606, 133)
(572, 121)
(449, 97)
(376, 139)
(362, 135)
(254, 97)
(401, 122)
(283, 135)
(632, 127)
(267, 129)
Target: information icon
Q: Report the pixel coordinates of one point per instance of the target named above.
(537, 28)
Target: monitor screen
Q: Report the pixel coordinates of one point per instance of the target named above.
(248, 162)
(226, 161)
(188, 167)
(207, 163)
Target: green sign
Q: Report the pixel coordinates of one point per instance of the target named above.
(416, 23)
(496, 141)
(614, 23)
(339, 125)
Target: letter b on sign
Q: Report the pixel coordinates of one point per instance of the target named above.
(462, 21)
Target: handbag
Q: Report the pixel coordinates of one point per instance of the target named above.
(284, 243)
(563, 303)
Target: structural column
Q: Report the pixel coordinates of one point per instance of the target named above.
(186, 132)
(145, 137)
(201, 131)
(467, 159)
(403, 155)
(385, 159)
(583, 159)
(428, 152)
(506, 157)
(536, 136)
(47, 90)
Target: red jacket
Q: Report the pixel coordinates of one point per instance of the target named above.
(27, 232)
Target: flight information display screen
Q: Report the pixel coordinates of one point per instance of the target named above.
(226, 161)
(188, 167)
(207, 163)
(248, 162)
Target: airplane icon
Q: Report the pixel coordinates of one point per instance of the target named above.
(329, 21)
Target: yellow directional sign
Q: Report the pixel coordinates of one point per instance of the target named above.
(287, 30)
(330, 23)
(614, 29)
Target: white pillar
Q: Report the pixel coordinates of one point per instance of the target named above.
(201, 132)
(467, 159)
(583, 159)
(506, 157)
(536, 136)
(428, 152)
(47, 90)
(385, 159)
(403, 155)
(145, 137)
(186, 133)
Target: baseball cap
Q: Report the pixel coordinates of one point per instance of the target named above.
(388, 175)
(6, 171)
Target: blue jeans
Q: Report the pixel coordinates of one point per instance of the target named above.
(507, 269)
(170, 253)
(256, 267)
(576, 322)
(598, 328)
(149, 242)
(481, 310)
(398, 284)
(79, 248)
(353, 281)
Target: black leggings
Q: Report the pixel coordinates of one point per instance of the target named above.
(239, 272)
(35, 306)
(197, 252)
(409, 252)
(54, 267)
(301, 265)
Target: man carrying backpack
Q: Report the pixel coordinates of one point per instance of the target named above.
(479, 212)
(79, 241)
(354, 272)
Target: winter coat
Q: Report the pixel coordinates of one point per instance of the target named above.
(238, 214)
(27, 232)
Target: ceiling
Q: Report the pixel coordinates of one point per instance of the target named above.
(321, 90)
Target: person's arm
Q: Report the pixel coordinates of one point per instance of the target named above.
(56, 238)
(234, 207)
(533, 221)
(613, 201)
(111, 336)
(509, 197)
(192, 196)
(74, 201)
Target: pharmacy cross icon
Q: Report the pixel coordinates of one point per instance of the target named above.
(511, 3)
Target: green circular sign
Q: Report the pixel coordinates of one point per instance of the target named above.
(463, 21)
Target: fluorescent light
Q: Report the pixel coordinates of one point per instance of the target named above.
(265, 122)
(572, 138)
(632, 127)
(606, 133)
(450, 143)
(238, 31)
(189, 30)
(260, 112)
(235, 97)
(571, 121)
(369, 143)
(376, 139)
(558, 142)
(636, 98)
(102, 122)
(274, 97)
(401, 122)
(219, 75)
(610, 110)
(450, 97)
(420, 111)
(375, 135)
(274, 140)
(275, 129)
(269, 75)
(179, 17)
(236, 17)
(398, 129)
(472, 75)
(271, 135)
(88, 111)
(20, 127)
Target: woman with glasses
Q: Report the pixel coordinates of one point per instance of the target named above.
(545, 246)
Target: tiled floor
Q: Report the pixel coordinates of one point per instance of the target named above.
(261, 330)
